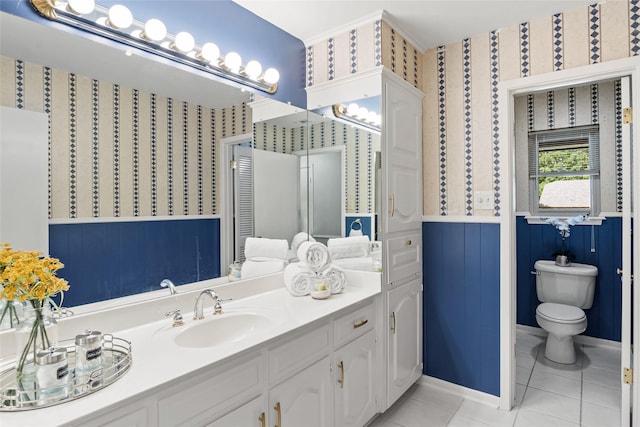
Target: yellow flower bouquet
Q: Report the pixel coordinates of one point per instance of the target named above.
(27, 276)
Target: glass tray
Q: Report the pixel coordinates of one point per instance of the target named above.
(26, 396)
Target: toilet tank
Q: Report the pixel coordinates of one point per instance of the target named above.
(572, 285)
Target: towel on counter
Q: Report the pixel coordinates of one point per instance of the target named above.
(253, 268)
(335, 279)
(261, 248)
(315, 255)
(299, 279)
(349, 247)
(298, 239)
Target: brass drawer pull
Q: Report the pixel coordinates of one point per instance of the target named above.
(341, 380)
(263, 420)
(279, 412)
(361, 323)
(408, 242)
(393, 317)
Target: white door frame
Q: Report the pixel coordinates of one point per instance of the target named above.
(226, 198)
(506, 92)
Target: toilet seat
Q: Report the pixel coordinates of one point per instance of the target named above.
(561, 313)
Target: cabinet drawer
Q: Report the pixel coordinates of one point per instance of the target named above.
(354, 324)
(290, 356)
(404, 257)
(200, 398)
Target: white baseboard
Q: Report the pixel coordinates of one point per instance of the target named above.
(458, 390)
(579, 339)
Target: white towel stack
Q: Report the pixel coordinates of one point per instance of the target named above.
(264, 256)
(314, 267)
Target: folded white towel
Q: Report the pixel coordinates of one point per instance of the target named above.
(335, 279)
(253, 268)
(349, 247)
(258, 247)
(298, 279)
(300, 238)
(315, 255)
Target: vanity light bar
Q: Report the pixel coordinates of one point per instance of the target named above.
(117, 23)
(358, 115)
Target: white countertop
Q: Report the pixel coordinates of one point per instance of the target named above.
(158, 360)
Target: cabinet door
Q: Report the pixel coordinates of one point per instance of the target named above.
(249, 414)
(405, 339)
(402, 156)
(305, 399)
(356, 381)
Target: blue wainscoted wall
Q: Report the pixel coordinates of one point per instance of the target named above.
(540, 241)
(114, 259)
(461, 304)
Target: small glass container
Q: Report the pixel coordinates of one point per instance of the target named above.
(234, 271)
(89, 354)
(52, 373)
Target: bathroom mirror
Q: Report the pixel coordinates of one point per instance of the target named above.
(62, 63)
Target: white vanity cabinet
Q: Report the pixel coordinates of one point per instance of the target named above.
(355, 366)
(303, 399)
(404, 349)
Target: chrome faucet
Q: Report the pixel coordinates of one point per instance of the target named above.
(197, 309)
(166, 283)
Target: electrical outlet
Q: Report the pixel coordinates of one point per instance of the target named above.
(483, 200)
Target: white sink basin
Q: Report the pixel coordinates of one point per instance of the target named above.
(220, 330)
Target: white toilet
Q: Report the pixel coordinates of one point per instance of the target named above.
(564, 292)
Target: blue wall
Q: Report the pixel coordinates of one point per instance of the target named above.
(114, 259)
(461, 302)
(223, 22)
(540, 241)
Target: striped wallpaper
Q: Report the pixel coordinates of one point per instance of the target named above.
(597, 103)
(361, 147)
(461, 151)
(121, 152)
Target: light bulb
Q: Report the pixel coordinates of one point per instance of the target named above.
(119, 17)
(210, 53)
(232, 61)
(81, 7)
(184, 42)
(253, 69)
(271, 76)
(352, 109)
(362, 113)
(154, 30)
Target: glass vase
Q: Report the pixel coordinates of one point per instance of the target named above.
(36, 331)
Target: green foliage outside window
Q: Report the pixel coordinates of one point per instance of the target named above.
(565, 160)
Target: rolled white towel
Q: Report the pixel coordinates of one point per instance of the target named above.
(253, 268)
(299, 239)
(315, 255)
(258, 247)
(349, 247)
(335, 279)
(298, 279)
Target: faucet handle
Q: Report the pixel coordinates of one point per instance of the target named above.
(177, 317)
(217, 308)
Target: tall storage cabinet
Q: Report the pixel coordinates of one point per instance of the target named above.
(402, 233)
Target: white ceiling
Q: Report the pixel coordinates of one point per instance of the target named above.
(428, 23)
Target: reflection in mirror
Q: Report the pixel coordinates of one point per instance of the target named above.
(330, 194)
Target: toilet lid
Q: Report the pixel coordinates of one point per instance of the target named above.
(561, 312)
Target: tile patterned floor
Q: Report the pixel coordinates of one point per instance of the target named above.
(547, 394)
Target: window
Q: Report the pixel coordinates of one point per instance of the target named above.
(564, 171)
